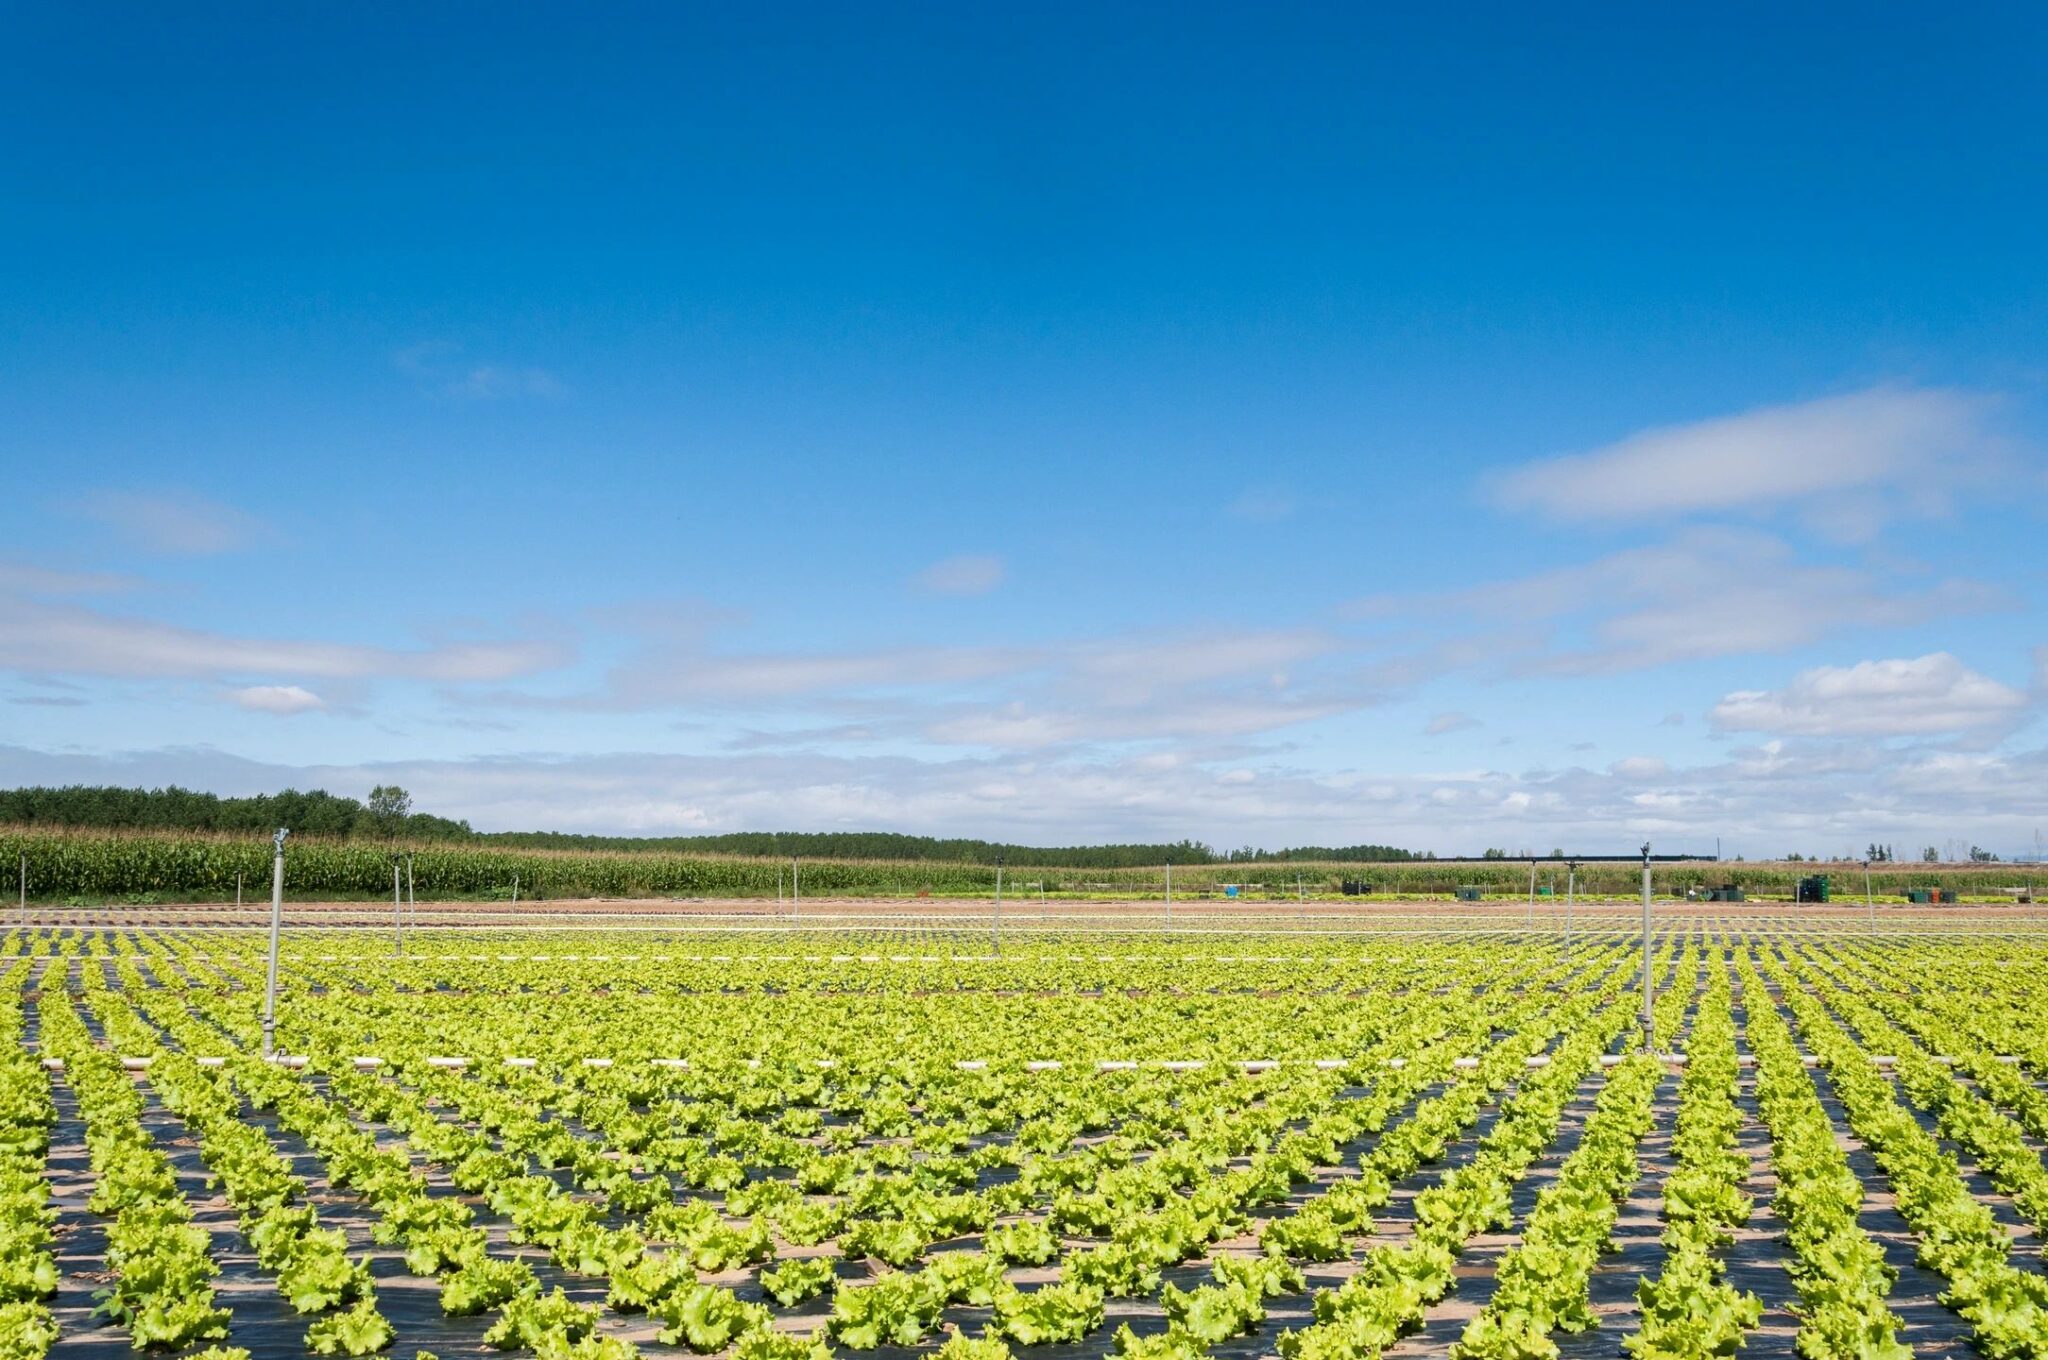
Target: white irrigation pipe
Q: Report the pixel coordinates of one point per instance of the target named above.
(447, 1062)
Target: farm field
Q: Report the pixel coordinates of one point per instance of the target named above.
(1409, 1133)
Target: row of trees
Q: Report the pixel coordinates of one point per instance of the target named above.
(930, 849)
(1884, 854)
(386, 814)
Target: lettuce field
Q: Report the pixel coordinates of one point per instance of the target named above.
(899, 1141)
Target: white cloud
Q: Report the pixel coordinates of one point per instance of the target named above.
(176, 523)
(1635, 768)
(967, 574)
(1442, 723)
(1929, 694)
(1198, 685)
(279, 699)
(41, 638)
(1900, 449)
(671, 676)
(1702, 594)
(1184, 716)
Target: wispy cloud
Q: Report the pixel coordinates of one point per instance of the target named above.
(1850, 460)
(38, 637)
(487, 382)
(282, 700)
(1442, 724)
(176, 523)
(968, 574)
(27, 579)
(1194, 685)
(1263, 505)
(446, 370)
(1703, 594)
(1935, 693)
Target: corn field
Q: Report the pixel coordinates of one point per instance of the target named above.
(94, 867)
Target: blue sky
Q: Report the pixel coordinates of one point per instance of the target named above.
(1266, 426)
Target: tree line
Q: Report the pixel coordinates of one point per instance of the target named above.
(387, 814)
(933, 849)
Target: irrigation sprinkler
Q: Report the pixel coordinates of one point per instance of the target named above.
(515, 890)
(796, 895)
(397, 912)
(1869, 902)
(1649, 1033)
(24, 890)
(996, 920)
(1169, 894)
(1529, 925)
(1571, 891)
(238, 890)
(276, 922)
(412, 901)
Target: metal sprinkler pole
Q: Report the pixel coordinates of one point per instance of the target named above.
(412, 900)
(1169, 894)
(1571, 892)
(238, 890)
(276, 921)
(1869, 903)
(515, 890)
(1530, 925)
(24, 890)
(996, 927)
(796, 895)
(397, 913)
(1649, 1034)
